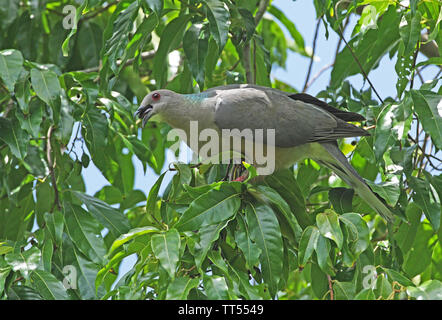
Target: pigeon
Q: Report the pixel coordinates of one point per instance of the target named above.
(298, 126)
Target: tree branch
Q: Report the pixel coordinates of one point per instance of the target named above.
(360, 66)
(52, 169)
(144, 56)
(330, 286)
(318, 23)
(263, 4)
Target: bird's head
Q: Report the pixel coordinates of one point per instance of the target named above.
(156, 105)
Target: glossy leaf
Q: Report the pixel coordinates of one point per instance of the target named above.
(84, 232)
(166, 247)
(265, 231)
(211, 208)
(328, 225)
(48, 286)
(109, 217)
(11, 62)
(218, 16)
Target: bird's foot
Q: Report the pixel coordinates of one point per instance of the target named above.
(242, 177)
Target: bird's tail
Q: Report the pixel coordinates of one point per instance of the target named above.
(337, 161)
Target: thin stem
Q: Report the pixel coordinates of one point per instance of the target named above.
(52, 169)
(263, 4)
(414, 64)
(318, 23)
(360, 66)
(98, 11)
(330, 286)
(144, 56)
(317, 75)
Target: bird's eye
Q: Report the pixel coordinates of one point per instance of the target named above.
(156, 96)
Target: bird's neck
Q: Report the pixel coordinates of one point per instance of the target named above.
(191, 107)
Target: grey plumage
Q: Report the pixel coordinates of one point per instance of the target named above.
(304, 126)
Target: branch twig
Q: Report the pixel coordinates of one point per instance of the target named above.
(263, 4)
(98, 11)
(144, 56)
(360, 66)
(330, 286)
(318, 23)
(52, 169)
(414, 64)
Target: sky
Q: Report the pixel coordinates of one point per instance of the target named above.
(302, 13)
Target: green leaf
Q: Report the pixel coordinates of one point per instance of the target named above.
(265, 231)
(155, 5)
(90, 43)
(5, 269)
(55, 224)
(207, 235)
(133, 233)
(172, 36)
(218, 16)
(23, 92)
(410, 32)
(217, 205)
(48, 286)
(390, 191)
(195, 45)
(25, 262)
(87, 273)
(319, 281)
(31, 121)
(369, 50)
(47, 87)
(109, 217)
(286, 185)
(14, 137)
(341, 199)
(424, 199)
(406, 233)
(216, 288)
(296, 35)
(427, 106)
(429, 290)
(396, 276)
(95, 131)
(166, 247)
(322, 249)
(85, 232)
(383, 288)
(20, 292)
(243, 240)
(11, 65)
(180, 287)
(391, 126)
(366, 294)
(46, 252)
(418, 258)
(8, 13)
(115, 46)
(328, 225)
(361, 240)
(307, 244)
(78, 12)
(269, 196)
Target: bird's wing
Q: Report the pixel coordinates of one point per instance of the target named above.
(295, 121)
(341, 114)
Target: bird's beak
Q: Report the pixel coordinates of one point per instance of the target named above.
(145, 113)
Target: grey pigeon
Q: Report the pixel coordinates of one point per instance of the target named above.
(304, 126)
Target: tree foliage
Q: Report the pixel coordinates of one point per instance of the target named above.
(297, 235)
